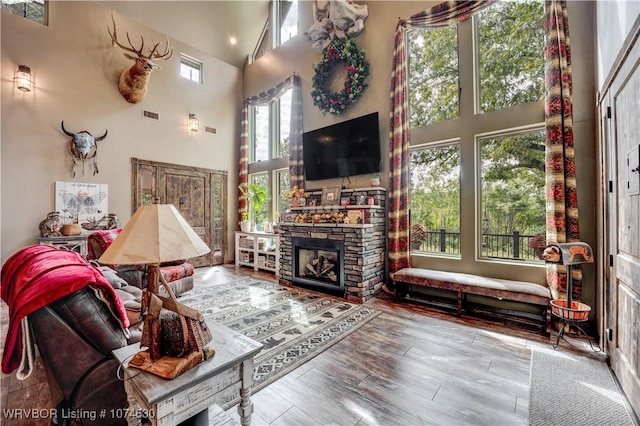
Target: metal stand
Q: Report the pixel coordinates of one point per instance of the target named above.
(567, 322)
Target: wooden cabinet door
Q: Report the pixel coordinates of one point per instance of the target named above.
(190, 192)
(622, 281)
(198, 194)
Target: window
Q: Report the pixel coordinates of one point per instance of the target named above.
(281, 26)
(475, 73)
(510, 45)
(288, 19)
(190, 68)
(269, 149)
(435, 198)
(260, 216)
(36, 10)
(433, 75)
(262, 134)
(512, 176)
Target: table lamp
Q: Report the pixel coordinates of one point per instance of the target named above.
(155, 234)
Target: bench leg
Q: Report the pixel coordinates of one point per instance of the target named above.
(459, 313)
(548, 320)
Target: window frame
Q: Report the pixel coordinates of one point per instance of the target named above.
(434, 145)
(466, 127)
(45, 10)
(535, 127)
(272, 165)
(193, 64)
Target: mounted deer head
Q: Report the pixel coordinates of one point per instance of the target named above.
(133, 80)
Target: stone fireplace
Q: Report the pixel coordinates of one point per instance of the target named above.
(318, 264)
(347, 260)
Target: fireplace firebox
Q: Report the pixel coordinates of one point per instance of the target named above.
(318, 264)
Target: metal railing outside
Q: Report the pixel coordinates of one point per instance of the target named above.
(500, 246)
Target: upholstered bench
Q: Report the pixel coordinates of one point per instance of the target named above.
(463, 284)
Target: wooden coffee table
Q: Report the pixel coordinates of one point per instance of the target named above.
(168, 402)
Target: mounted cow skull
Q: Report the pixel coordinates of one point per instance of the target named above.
(133, 80)
(83, 146)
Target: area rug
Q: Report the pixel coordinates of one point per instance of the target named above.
(570, 390)
(294, 325)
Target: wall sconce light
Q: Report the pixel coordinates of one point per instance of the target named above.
(22, 79)
(194, 125)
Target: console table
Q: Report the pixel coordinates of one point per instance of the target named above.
(228, 374)
(75, 243)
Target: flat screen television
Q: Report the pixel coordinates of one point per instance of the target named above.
(344, 149)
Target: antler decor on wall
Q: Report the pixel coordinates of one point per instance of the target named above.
(83, 146)
(133, 80)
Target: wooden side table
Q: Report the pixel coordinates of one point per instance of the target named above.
(168, 402)
(76, 243)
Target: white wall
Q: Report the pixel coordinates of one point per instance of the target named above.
(76, 71)
(614, 20)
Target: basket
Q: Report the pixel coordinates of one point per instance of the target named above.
(578, 311)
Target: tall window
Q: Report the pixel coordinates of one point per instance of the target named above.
(433, 75)
(270, 154)
(476, 72)
(36, 10)
(288, 19)
(510, 45)
(435, 199)
(512, 183)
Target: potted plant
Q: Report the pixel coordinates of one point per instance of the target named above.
(256, 196)
(417, 236)
(245, 226)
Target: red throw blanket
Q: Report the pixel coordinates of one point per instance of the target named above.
(38, 275)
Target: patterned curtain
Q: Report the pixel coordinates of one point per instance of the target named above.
(561, 194)
(295, 134)
(296, 166)
(443, 14)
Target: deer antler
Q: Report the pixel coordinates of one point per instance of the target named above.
(168, 51)
(114, 37)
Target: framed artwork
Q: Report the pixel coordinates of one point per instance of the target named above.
(330, 196)
(356, 216)
(287, 217)
(81, 202)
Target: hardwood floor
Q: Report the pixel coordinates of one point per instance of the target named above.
(411, 365)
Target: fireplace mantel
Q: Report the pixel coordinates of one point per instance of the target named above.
(364, 245)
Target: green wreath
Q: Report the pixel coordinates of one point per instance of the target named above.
(344, 53)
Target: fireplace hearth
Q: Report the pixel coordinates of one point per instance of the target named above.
(344, 259)
(318, 264)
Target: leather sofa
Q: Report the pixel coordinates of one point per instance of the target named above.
(77, 315)
(178, 274)
(75, 336)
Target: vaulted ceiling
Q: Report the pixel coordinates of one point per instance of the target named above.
(206, 24)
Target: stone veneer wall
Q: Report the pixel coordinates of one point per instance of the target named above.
(364, 244)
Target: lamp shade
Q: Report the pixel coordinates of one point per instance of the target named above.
(155, 233)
